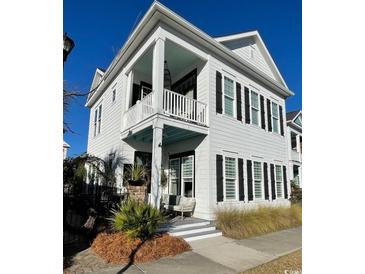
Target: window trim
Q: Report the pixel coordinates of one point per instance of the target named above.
(224, 95)
(98, 119)
(262, 181)
(258, 109)
(281, 182)
(224, 179)
(277, 118)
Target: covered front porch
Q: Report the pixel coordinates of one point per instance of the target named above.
(164, 145)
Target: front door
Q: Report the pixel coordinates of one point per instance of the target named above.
(181, 179)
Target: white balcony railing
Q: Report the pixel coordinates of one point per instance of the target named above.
(183, 107)
(140, 111)
(174, 104)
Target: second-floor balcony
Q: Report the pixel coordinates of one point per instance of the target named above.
(174, 105)
(164, 80)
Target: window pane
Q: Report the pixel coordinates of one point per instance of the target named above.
(100, 112)
(275, 125)
(274, 110)
(254, 100)
(279, 176)
(228, 106)
(258, 190)
(187, 166)
(96, 115)
(230, 167)
(255, 117)
(230, 189)
(257, 170)
(228, 87)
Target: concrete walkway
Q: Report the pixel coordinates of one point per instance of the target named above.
(221, 255)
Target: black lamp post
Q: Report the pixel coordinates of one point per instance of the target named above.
(68, 45)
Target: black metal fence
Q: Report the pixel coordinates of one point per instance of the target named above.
(77, 206)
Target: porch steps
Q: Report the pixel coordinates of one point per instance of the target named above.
(193, 231)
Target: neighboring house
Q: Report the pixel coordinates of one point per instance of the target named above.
(65, 149)
(208, 111)
(294, 137)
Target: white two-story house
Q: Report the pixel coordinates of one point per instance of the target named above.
(208, 111)
(294, 136)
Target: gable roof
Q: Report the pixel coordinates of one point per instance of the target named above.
(65, 144)
(260, 43)
(98, 76)
(158, 12)
(290, 116)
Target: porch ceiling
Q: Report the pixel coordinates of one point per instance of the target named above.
(177, 59)
(170, 135)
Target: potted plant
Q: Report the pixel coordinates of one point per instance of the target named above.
(137, 175)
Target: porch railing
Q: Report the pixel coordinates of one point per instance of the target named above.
(174, 104)
(183, 107)
(140, 111)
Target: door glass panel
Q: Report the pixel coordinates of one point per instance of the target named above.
(174, 176)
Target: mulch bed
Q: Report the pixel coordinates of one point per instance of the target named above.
(116, 248)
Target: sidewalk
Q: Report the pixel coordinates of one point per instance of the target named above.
(219, 255)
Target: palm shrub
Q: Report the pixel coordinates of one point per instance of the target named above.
(136, 219)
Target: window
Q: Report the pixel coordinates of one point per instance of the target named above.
(97, 120)
(293, 138)
(230, 178)
(275, 117)
(187, 173)
(279, 181)
(257, 177)
(296, 174)
(228, 96)
(114, 93)
(255, 108)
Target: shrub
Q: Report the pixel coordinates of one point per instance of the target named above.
(136, 219)
(239, 224)
(296, 192)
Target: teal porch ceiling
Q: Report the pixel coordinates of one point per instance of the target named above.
(170, 135)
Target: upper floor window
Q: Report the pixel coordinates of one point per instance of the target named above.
(97, 120)
(275, 117)
(257, 177)
(114, 94)
(255, 111)
(228, 96)
(230, 178)
(293, 138)
(279, 181)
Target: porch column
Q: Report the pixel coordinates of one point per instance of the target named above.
(156, 165)
(129, 89)
(158, 73)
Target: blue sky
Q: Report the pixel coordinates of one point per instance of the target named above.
(100, 28)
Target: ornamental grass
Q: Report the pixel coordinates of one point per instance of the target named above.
(240, 224)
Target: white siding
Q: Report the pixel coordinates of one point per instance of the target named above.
(243, 48)
(228, 135)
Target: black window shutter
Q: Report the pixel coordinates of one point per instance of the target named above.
(285, 183)
(239, 101)
(268, 104)
(266, 182)
(247, 105)
(241, 191)
(273, 187)
(218, 83)
(281, 120)
(219, 178)
(262, 106)
(249, 180)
